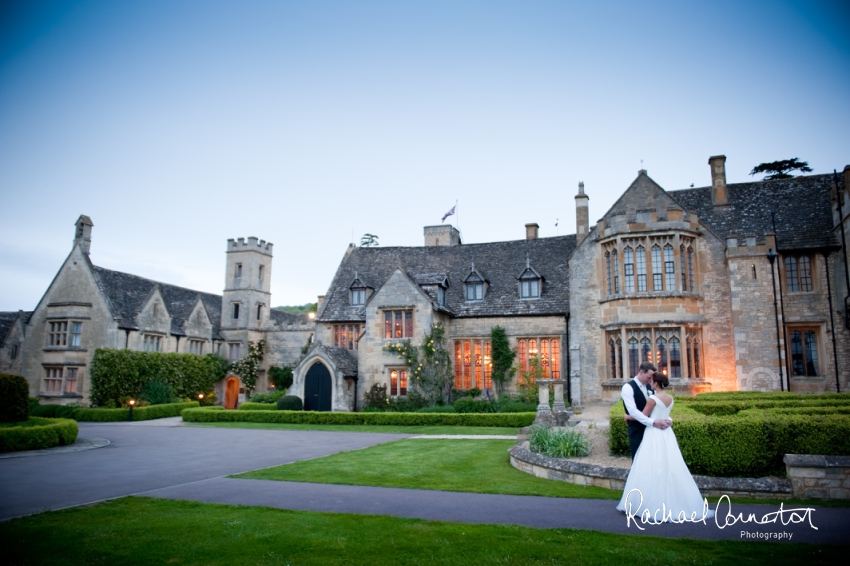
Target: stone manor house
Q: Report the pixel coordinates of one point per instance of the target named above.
(727, 287)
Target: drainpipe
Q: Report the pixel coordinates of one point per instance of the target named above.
(566, 349)
(126, 338)
(831, 321)
(782, 305)
(771, 255)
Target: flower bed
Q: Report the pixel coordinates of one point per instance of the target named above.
(517, 420)
(36, 433)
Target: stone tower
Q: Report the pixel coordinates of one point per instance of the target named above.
(246, 299)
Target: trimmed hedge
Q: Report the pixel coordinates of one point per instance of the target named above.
(513, 420)
(840, 410)
(753, 395)
(46, 433)
(253, 406)
(14, 398)
(52, 411)
(732, 407)
(750, 445)
(139, 413)
(123, 373)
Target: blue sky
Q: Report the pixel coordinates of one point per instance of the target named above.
(176, 125)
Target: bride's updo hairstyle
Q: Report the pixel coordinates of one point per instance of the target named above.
(660, 379)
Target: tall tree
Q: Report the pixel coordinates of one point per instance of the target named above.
(780, 169)
(369, 241)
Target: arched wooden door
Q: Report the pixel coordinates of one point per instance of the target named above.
(231, 393)
(317, 388)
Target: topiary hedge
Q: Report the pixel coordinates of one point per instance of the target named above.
(750, 444)
(139, 413)
(513, 420)
(123, 373)
(290, 403)
(14, 398)
(37, 433)
(252, 406)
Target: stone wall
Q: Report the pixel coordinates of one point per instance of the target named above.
(818, 477)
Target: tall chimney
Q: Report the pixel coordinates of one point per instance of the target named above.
(531, 231)
(82, 233)
(582, 215)
(718, 180)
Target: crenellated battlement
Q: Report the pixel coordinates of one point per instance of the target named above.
(253, 244)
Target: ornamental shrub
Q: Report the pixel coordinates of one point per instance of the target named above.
(558, 443)
(156, 393)
(290, 403)
(123, 373)
(14, 398)
(376, 397)
(513, 420)
(469, 405)
(270, 398)
(37, 433)
(281, 378)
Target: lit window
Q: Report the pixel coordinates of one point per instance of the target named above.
(473, 366)
(346, 336)
(398, 382)
(398, 324)
(71, 381)
(547, 350)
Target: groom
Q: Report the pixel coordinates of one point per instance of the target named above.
(635, 394)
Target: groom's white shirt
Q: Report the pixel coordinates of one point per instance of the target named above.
(628, 395)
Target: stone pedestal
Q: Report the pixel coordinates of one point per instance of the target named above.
(558, 415)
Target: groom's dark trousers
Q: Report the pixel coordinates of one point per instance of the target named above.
(636, 428)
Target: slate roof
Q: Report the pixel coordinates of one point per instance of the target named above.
(802, 205)
(503, 262)
(7, 321)
(342, 358)
(127, 295)
(282, 318)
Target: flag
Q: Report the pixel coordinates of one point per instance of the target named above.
(449, 213)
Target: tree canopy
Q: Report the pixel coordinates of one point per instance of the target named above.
(369, 240)
(780, 169)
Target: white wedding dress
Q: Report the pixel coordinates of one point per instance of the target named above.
(666, 488)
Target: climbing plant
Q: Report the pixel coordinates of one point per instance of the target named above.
(501, 357)
(247, 368)
(430, 364)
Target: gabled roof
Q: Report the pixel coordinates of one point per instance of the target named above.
(439, 278)
(7, 321)
(343, 359)
(802, 205)
(283, 318)
(502, 261)
(127, 295)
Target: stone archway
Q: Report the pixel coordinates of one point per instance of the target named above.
(317, 388)
(231, 393)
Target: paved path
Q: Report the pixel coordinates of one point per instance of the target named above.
(180, 462)
(833, 524)
(142, 457)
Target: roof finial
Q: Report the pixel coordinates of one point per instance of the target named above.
(527, 261)
(356, 276)
(473, 265)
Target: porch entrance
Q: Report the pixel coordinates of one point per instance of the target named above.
(317, 388)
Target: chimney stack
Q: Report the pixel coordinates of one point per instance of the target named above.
(82, 233)
(531, 231)
(718, 180)
(442, 235)
(582, 215)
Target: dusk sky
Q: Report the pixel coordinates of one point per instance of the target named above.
(176, 125)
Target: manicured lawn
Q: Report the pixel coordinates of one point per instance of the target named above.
(478, 466)
(476, 430)
(136, 530)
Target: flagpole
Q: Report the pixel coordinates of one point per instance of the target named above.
(457, 218)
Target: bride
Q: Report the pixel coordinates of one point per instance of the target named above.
(659, 485)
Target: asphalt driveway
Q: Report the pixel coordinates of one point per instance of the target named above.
(141, 458)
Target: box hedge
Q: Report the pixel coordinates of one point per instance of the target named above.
(749, 445)
(513, 420)
(139, 413)
(14, 398)
(38, 433)
(123, 373)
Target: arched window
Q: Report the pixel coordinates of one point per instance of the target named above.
(608, 271)
(641, 269)
(645, 350)
(683, 270)
(675, 358)
(616, 269)
(656, 268)
(615, 352)
(691, 269)
(661, 354)
(634, 357)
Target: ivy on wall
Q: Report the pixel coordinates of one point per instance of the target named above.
(247, 368)
(123, 373)
(430, 364)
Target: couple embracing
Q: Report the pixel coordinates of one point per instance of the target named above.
(659, 481)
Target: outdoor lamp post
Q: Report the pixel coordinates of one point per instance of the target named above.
(131, 402)
(200, 398)
(772, 255)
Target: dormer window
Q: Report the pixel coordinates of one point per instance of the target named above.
(530, 282)
(441, 296)
(473, 285)
(358, 297)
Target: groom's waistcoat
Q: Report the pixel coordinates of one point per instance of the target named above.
(640, 396)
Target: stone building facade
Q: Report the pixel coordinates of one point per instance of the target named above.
(87, 307)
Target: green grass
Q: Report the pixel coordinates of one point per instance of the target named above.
(136, 530)
(389, 429)
(477, 466)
